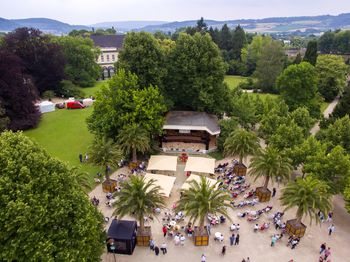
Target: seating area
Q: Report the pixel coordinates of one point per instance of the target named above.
(182, 146)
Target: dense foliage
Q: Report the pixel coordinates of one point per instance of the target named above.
(336, 42)
(45, 215)
(17, 94)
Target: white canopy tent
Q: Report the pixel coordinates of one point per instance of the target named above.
(46, 106)
(186, 185)
(165, 182)
(200, 165)
(164, 163)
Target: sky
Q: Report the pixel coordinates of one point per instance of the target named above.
(93, 11)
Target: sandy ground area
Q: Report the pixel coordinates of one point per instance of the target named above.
(253, 245)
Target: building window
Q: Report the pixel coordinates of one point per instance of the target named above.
(107, 57)
(113, 58)
(102, 58)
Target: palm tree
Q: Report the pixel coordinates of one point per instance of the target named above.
(81, 178)
(242, 143)
(105, 153)
(133, 138)
(309, 195)
(270, 164)
(201, 199)
(138, 198)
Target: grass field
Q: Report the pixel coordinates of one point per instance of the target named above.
(64, 134)
(91, 91)
(263, 96)
(234, 81)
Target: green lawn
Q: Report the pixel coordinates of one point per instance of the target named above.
(91, 91)
(64, 134)
(263, 96)
(234, 81)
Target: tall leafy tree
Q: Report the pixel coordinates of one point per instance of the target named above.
(17, 94)
(138, 198)
(201, 26)
(331, 73)
(143, 56)
(347, 196)
(195, 75)
(242, 143)
(332, 167)
(298, 87)
(244, 108)
(309, 196)
(132, 138)
(325, 43)
(311, 52)
(226, 42)
(270, 164)
(287, 136)
(122, 103)
(105, 153)
(239, 40)
(80, 54)
(269, 66)
(201, 199)
(46, 216)
(42, 59)
(343, 106)
(302, 118)
(227, 126)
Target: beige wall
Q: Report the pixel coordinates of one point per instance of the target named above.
(107, 57)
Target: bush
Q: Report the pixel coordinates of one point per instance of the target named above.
(68, 89)
(248, 84)
(48, 94)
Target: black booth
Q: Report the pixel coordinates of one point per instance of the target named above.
(121, 237)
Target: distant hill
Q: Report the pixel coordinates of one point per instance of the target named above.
(312, 24)
(44, 24)
(128, 25)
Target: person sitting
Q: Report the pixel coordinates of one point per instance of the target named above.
(109, 195)
(256, 227)
(233, 227)
(222, 219)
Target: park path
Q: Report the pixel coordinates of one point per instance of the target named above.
(326, 114)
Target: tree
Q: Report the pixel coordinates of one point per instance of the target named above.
(17, 94)
(242, 143)
(343, 106)
(325, 43)
(302, 118)
(46, 216)
(297, 59)
(332, 167)
(195, 75)
(269, 66)
(201, 26)
(347, 196)
(105, 153)
(201, 199)
(338, 133)
(138, 198)
(143, 56)
(311, 52)
(309, 196)
(243, 107)
(252, 52)
(226, 41)
(298, 87)
(133, 138)
(80, 54)
(270, 164)
(42, 59)
(331, 73)
(122, 103)
(227, 126)
(4, 120)
(239, 40)
(287, 136)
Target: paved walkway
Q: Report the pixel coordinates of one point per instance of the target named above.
(326, 114)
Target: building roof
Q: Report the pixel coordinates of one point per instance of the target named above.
(121, 229)
(192, 120)
(108, 40)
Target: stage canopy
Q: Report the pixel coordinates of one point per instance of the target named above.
(165, 182)
(166, 163)
(200, 165)
(186, 185)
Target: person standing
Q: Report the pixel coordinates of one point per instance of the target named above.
(237, 240)
(163, 247)
(86, 157)
(247, 260)
(223, 251)
(322, 248)
(208, 228)
(232, 239)
(81, 158)
(151, 244)
(165, 230)
(273, 192)
(156, 250)
(273, 240)
(182, 240)
(331, 229)
(330, 216)
(203, 258)
(327, 253)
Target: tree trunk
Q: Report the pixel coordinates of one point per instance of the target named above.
(266, 183)
(201, 224)
(107, 174)
(241, 159)
(134, 155)
(142, 224)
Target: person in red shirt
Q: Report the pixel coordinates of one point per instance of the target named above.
(165, 230)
